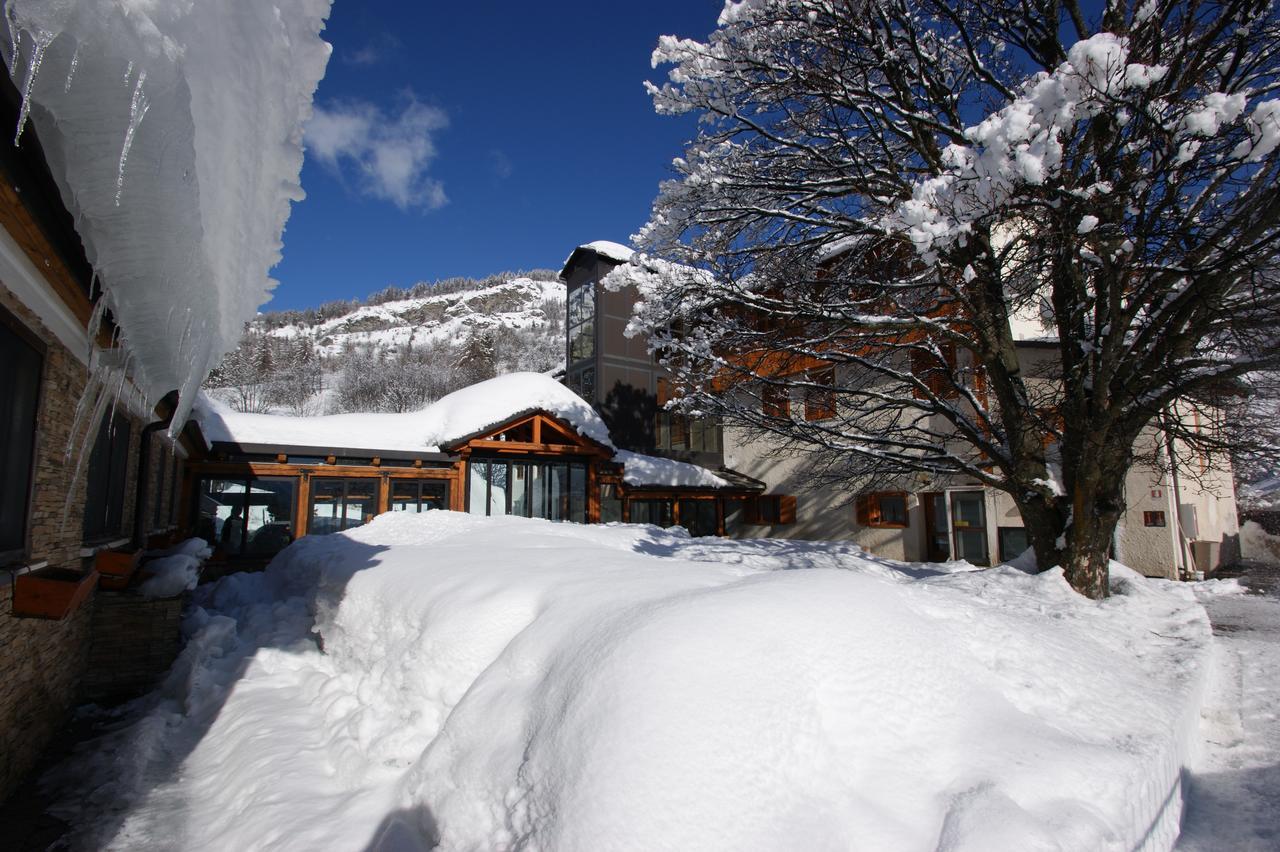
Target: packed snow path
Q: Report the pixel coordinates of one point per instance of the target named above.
(1233, 796)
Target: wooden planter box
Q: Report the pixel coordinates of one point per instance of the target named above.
(51, 592)
(116, 567)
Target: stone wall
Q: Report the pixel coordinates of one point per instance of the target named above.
(134, 641)
(41, 663)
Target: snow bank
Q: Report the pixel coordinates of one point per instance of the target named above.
(460, 414)
(510, 683)
(174, 570)
(174, 131)
(170, 575)
(1259, 545)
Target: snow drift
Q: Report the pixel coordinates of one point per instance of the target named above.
(174, 131)
(491, 683)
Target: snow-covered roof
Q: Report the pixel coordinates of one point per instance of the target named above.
(454, 418)
(654, 471)
(174, 131)
(462, 413)
(604, 248)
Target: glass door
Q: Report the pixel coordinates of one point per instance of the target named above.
(937, 539)
(969, 526)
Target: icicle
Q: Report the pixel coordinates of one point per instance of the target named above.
(71, 71)
(99, 399)
(39, 44)
(95, 319)
(137, 109)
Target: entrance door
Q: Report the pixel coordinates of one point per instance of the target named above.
(937, 542)
(969, 524)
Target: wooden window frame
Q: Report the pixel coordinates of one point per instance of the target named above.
(870, 511)
(1154, 518)
(770, 510)
(775, 401)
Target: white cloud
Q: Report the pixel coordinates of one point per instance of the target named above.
(385, 153)
(501, 164)
(382, 46)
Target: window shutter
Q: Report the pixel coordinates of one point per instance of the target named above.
(786, 509)
(863, 510)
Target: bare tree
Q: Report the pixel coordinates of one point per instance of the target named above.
(887, 194)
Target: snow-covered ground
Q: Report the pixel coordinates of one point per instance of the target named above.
(1234, 787)
(508, 683)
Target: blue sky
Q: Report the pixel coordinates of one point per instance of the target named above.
(471, 138)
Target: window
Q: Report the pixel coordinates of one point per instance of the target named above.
(698, 516)
(581, 322)
(582, 381)
(105, 480)
(883, 509)
(164, 485)
(175, 496)
(657, 512)
(340, 504)
(675, 431)
(776, 401)
(20, 394)
(820, 402)
(770, 509)
(610, 503)
(554, 490)
(247, 517)
(937, 373)
(1153, 519)
(419, 495)
(1013, 542)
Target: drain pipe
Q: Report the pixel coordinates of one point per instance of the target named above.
(1184, 568)
(144, 471)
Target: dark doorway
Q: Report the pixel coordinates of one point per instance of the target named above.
(936, 541)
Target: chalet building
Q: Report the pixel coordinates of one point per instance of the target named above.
(87, 477)
(520, 444)
(1177, 521)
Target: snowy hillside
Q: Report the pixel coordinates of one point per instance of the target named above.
(398, 350)
(504, 683)
(518, 303)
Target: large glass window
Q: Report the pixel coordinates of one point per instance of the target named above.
(656, 512)
(698, 517)
(19, 396)
(340, 504)
(247, 517)
(419, 495)
(553, 490)
(675, 431)
(581, 324)
(105, 480)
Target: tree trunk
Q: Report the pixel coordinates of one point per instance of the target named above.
(1077, 535)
